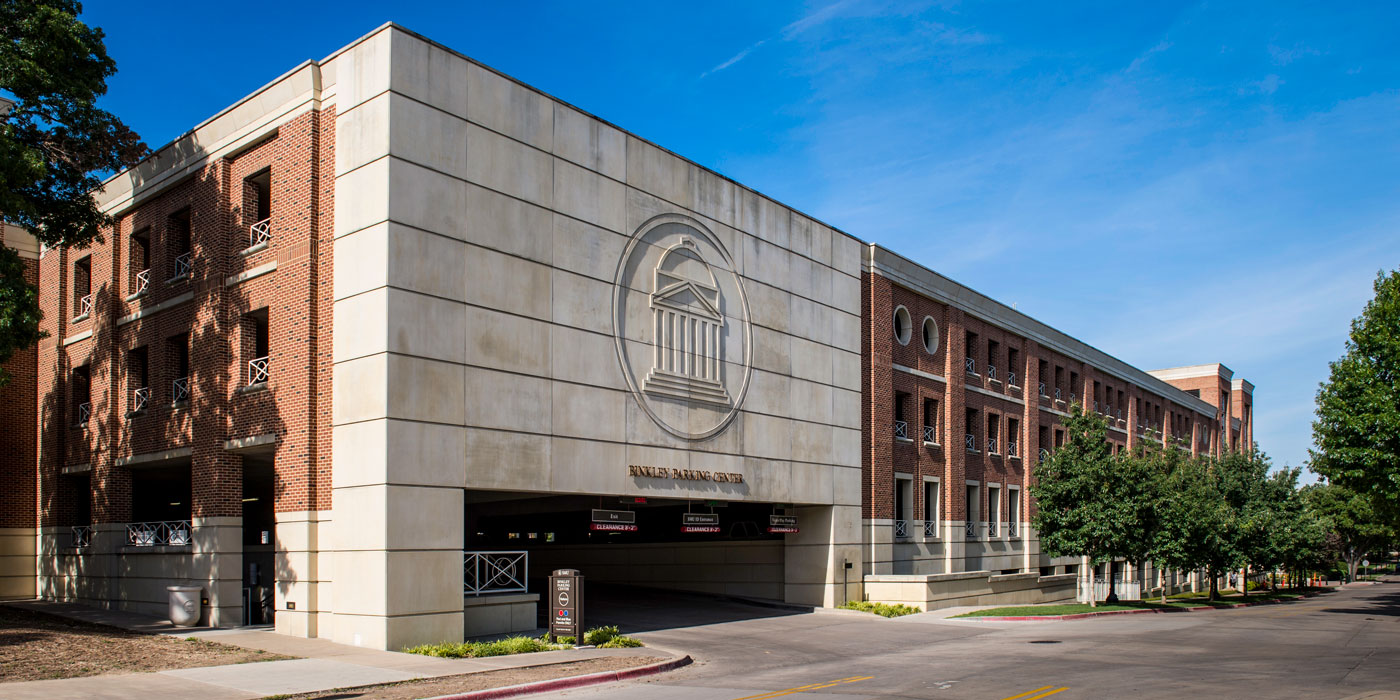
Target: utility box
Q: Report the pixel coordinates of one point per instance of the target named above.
(566, 604)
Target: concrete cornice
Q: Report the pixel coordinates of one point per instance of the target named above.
(1213, 369)
(147, 457)
(21, 240)
(918, 278)
(1243, 385)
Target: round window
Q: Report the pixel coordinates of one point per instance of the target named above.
(930, 334)
(902, 325)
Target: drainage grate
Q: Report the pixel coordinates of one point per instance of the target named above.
(1044, 641)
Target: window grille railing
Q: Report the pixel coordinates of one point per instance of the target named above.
(168, 532)
(1011, 448)
(1011, 379)
(970, 530)
(494, 572)
(1096, 407)
(143, 280)
(971, 365)
(1042, 389)
(1058, 395)
(1013, 529)
(140, 398)
(257, 370)
(992, 445)
(930, 528)
(1044, 455)
(260, 232)
(85, 305)
(84, 412)
(901, 529)
(82, 536)
(184, 263)
(901, 429)
(971, 441)
(991, 528)
(180, 390)
(930, 435)
(1073, 397)
(992, 372)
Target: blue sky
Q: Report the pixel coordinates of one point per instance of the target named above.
(1172, 183)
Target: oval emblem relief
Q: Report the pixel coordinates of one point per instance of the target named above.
(681, 326)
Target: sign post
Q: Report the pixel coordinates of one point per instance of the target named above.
(566, 604)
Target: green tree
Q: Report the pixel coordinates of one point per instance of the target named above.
(1196, 523)
(54, 143)
(1091, 503)
(1351, 520)
(1357, 431)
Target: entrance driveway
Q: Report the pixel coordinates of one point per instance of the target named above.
(1339, 645)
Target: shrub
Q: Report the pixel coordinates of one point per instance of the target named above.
(1258, 585)
(620, 642)
(598, 636)
(883, 609)
(477, 650)
(567, 641)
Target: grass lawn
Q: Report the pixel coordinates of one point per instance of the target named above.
(1183, 600)
(38, 646)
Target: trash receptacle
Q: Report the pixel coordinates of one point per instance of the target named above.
(184, 605)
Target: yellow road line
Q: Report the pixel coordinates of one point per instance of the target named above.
(1029, 692)
(1046, 695)
(805, 688)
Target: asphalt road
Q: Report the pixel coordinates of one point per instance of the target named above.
(1339, 645)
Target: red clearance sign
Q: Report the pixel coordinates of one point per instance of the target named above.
(612, 527)
(699, 528)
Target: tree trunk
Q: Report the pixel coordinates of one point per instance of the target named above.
(1244, 582)
(1214, 584)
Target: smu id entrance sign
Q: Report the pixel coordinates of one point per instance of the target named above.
(566, 604)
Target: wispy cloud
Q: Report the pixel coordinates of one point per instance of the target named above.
(789, 31)
(1137, 63)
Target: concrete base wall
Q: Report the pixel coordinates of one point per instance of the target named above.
(931, 592)
(109, 574)
(18, 562)
(502, 613)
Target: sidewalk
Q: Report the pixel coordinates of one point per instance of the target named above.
(323, 665)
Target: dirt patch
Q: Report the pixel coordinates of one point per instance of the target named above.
(448, 685)
(37, 646)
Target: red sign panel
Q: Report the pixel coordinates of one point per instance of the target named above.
(781, 530)
(699, 528)
(612, 527)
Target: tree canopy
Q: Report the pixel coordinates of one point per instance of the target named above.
(1357, 431)
(55, 143)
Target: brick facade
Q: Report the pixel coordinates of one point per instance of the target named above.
(18, 402)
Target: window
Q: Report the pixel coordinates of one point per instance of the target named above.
(903, 327)
(1194, 392)
(971, 350)
(257, 207)
(256, 347)
(931, 421)
(931, 510)
(1059, 438)
(82, 288)
(1073, 387)
(1013, 437)
(993, 509)
(1059, 383)
(993, 357)
(1098, 391)
(1043, 440)
(179, 244)
(178, 357)
(1118, 405)
(1042, 369)
(993, 424)
(971, 424)
(82, 395)
(160, 495)
(1013, 366)
(136, 381)
(903, 504)
(930, 335)
(901, 415)
(974, 510)
(139, 263)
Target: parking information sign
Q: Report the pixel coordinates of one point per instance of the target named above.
(700, 522)
(782, 524)
(566, 604)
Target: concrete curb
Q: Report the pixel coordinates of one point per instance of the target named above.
(1145, 611)
(587, 679)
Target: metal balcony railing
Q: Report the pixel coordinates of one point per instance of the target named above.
(1011, 379)
(167, 532)
(971, 441)
(184, 263)
(494, 572)
(991, 528)
(85, 305)
(260, 232)
(82, 536)
(1096, 407)
(901, 529)
(1042, 389)
(1044, 455)
(991, 445)
(991, 372)
(143, 280)
(84, 412)
(180, 390)
(1073, 397)
(901, 429)
(930, 528)
(1012, 448)
(970, 530)
(258, 370)
(140, 398)
(971, 365)
(1058, 395)
(1013, 529)
(930, 435)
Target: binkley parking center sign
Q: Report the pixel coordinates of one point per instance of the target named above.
(566, 604)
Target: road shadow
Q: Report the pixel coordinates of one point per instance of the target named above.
(636, 609)
(1379, 601)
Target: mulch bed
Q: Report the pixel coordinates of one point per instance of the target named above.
(37, 646)
(482, 680)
